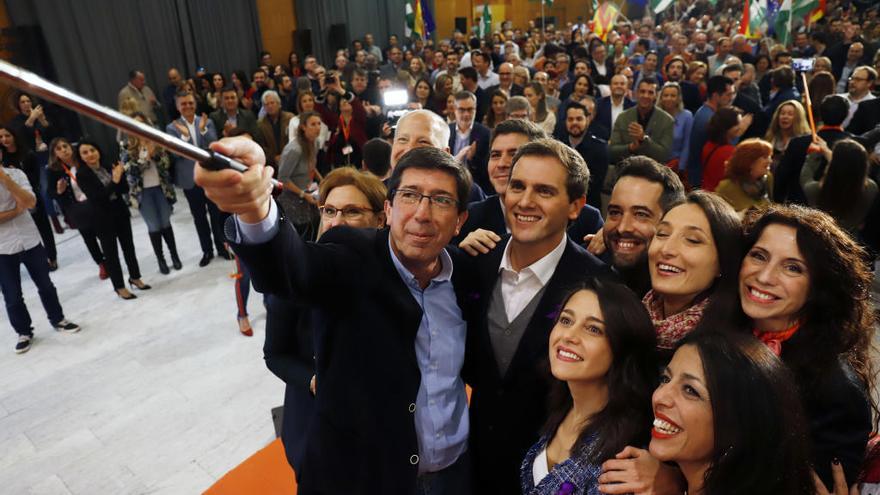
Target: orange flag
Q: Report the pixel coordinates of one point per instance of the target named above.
(604, 19)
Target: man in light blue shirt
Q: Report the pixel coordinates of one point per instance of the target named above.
(391, 405)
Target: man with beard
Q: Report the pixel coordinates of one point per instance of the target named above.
(259, 83)
(594, 150)
(645, 190)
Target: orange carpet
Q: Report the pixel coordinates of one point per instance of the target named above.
(266, 472)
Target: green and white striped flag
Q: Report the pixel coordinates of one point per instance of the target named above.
(410, 20)
(802, 8)
(486, 21)
(783, 23)
(548, 3)
(660, 5)
(595, 4)
(758, 16)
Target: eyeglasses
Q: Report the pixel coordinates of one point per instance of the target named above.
(858, 78)
(408, 197)
(348, 213)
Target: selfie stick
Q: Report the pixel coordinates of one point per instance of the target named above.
(809, 103)
(31, 83)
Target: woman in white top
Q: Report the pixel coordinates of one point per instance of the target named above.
(541, 115)
(602, 356)
(305, 102)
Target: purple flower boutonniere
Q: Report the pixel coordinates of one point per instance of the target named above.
(553, 315)
(567, 488)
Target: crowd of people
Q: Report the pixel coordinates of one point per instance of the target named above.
(558, 264)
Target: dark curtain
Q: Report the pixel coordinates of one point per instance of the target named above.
(379, 17)
(93, 44)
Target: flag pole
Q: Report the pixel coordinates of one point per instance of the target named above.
(543, 19)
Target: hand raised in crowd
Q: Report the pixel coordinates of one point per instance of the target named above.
(595, 243)
(480, 241)
(61, 186)
(839, 479)
(744, 123)
(203, 123)
(638, 472)
(184, 132)
(118, 171)
(248, 194)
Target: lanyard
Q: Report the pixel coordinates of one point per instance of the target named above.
(346, 127)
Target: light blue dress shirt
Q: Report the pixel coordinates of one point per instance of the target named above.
(681, 137)
(441, 415)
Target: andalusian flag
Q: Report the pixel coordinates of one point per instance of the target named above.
(813, 9)
(660, 5)
(783, 23)
(486, 21)
(604, 19)
(548, 3)
(754, 18)
(595, 5)
(419, 20)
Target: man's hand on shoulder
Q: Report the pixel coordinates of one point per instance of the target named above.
(248, 194)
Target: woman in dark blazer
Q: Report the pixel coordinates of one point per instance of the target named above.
(75, 206)
(806, 294)
(104, 188)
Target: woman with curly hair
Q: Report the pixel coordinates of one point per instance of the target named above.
(805, 294)
(748, 181)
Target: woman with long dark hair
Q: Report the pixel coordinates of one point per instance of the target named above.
(845, 191)
(214, 96)
(16, 154)
(604, 367)
(243, 89)
(723, 128)
(805, 292)
(497, 108)
(149, 182)
(691, 259)
(534, 92)
(298, 172)
(77, 210)
(727, 414)
(104, 187)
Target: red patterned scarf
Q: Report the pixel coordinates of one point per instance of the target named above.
(673, 328)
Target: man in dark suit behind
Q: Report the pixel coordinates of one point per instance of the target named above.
(229, 116)
(522, 281)
(488, 214)
(594, 150)
(866, 118)
(786, 180)
(608, 107)
(469, 82)
(391, 408)
(469, 140)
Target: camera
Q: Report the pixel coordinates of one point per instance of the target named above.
(803, 64)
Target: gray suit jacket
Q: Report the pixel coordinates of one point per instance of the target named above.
(658, 136)
(183, 168)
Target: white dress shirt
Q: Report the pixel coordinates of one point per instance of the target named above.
(519, 288)
(19, 233)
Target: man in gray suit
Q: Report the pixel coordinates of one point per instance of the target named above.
(198, 130)
(643, 129)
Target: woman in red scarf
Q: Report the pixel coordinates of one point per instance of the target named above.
(692, 259)
(805, 289)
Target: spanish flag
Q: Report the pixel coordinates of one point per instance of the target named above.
(604, 19)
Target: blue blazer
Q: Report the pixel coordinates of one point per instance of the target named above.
(602, 123)
(183, 168)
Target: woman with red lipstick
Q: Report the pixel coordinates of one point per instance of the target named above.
(807, 296)
(603, 361)
(726, 413)
(692, 260)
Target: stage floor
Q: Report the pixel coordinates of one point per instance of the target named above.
(158, 395)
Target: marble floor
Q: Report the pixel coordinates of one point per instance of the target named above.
(159, 395)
